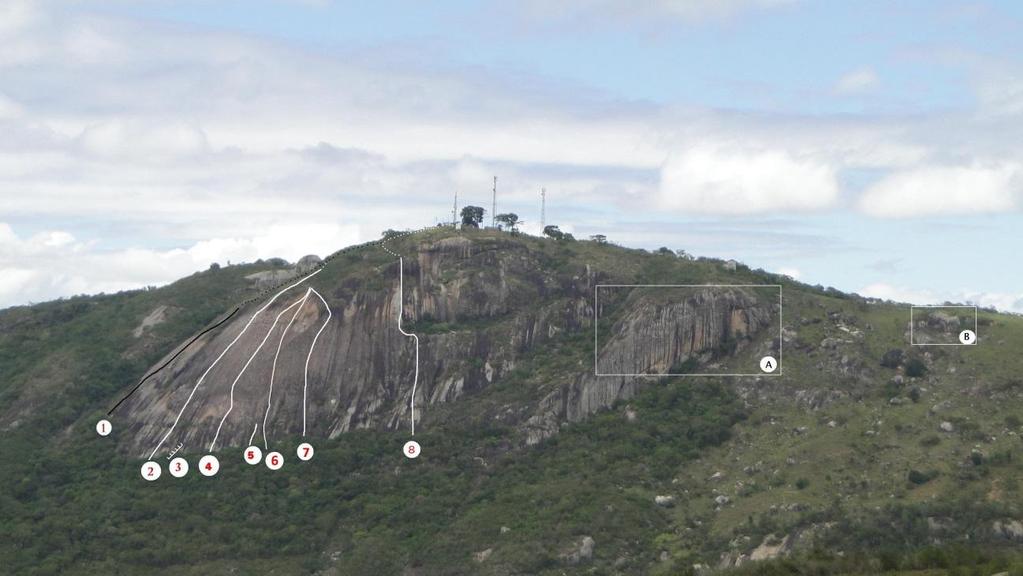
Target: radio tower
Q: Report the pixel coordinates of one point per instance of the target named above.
(454, 212)
(493, 207)
(543, 208)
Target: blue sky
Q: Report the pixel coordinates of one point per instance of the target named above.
(873, 146)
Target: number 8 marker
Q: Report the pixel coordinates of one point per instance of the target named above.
(411, 449)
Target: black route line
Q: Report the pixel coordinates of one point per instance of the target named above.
(183, 348)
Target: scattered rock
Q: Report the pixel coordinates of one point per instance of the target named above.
(828, 343)
(937, 524)
(158, 315)
(721, 500)
(308, 263)
(664, 501)
(483, 555)
(582, 552)
(630, 414)
(717, 475)
(505, 529)
(1008, 529)
(946, 426)
(770, 548)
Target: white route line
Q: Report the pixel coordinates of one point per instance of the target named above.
(230, 405)
(273, 369)
(236, 338)
(254, 428)
(401, 306)
(305, 376)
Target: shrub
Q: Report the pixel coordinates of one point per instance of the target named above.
(920, 478)
(915, 368)
(892, 358)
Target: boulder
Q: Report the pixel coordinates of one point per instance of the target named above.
(581, 552)
(664, 501)
(1008, 529)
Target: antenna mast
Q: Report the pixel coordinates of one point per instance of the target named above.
(454, 212)
(493, 207)
(543, 208)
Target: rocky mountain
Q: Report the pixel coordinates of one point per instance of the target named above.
(362, 369)
(553, 441)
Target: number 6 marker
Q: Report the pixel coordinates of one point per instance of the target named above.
(274, 460)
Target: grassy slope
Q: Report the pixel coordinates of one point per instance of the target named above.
(360, 509)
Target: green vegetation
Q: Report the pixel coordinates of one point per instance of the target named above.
(902, 461)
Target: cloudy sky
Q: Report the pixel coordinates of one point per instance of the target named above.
(872, 146)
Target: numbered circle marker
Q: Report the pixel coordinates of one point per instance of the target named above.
(253, 455)
(209, 465)
(411, 449)
(768, 364)
(103, 427)
(968, 337)
(178, 467)
(151, 471)
(274, 460)
(305, 451)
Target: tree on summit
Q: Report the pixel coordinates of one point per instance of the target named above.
(509, 219)
(553, 231)
(472, 216)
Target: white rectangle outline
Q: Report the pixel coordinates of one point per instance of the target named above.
(781, 341)
(976, 323)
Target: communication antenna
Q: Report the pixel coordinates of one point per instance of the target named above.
(543, 208)
(493, 207)
(454, 212)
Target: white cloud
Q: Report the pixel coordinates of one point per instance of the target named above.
(1003, 301)
(857, 81)
(619, 10)
(719, 180)
(217, 143)
(54, 263)
(944, 190)
(790, 272)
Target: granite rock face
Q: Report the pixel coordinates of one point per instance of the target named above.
(479, 307)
